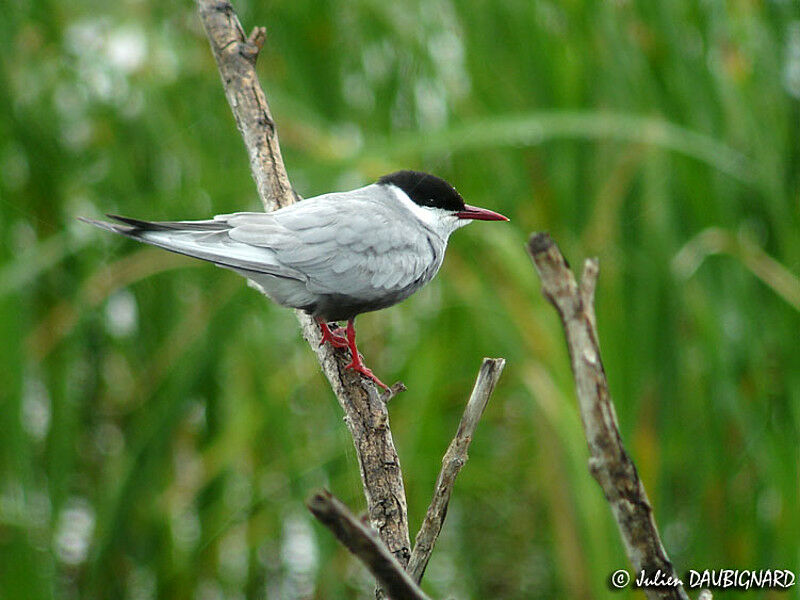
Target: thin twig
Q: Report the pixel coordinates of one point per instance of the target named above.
(453, 460)
(365, 544)
(609, 463)
(365, 410)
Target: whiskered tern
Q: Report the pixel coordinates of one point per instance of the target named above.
(333, 256)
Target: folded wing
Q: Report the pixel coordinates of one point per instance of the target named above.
(360, 249)
(357, 248)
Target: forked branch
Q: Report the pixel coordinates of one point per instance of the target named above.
(609, 463)
(365, 410)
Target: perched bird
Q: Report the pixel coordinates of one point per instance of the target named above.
(333, 256)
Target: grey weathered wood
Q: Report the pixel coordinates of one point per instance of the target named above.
(365, 544)
(454, 459)
(609, 463)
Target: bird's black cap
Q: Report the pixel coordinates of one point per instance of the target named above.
(426, 189)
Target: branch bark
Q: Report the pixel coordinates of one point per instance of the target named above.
(365, 410)
(609, 463)
(362, 541)
(454, 458)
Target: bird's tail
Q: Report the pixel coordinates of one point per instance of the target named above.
(206, 240)
(136, 227)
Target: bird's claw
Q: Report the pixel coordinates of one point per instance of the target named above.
(359, 367)
(334, 338)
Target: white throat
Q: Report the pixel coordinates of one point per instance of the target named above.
(441, 221)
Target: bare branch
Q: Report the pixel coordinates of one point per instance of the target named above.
(609, 463)
(453, 460)
(365, 410)
(236, 55)
(365, 544)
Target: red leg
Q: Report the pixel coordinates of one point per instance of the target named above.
(355, 363)
(335, 340)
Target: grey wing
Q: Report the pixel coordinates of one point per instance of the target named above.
(359, 248)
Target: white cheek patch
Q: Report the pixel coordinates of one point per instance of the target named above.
(441, 221)
(425, 215)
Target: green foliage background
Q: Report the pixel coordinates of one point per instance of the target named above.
(161, 423)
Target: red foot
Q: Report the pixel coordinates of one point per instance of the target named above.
(334, 338)
(356, 364)
(360, 367)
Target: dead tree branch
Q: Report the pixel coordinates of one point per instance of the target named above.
(454, 459)
(361, 540)
(609, 463)
(365, 411)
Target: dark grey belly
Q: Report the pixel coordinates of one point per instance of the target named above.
(336, 307)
